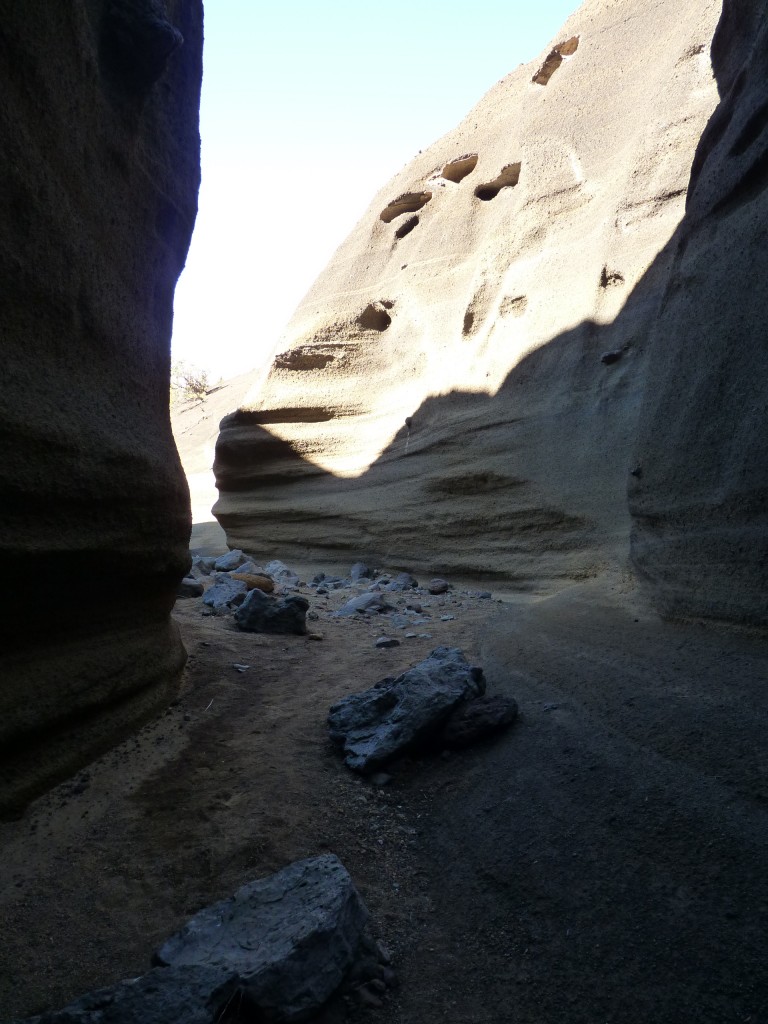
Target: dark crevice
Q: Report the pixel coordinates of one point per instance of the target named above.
(406, 227)
(508, 178)
(555, 59)
(409, 202)
(375, 316)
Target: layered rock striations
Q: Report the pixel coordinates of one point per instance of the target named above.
(460, 389)
(100, 173)
(700, 497)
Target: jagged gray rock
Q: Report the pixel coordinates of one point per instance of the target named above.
(287, 940)
(231, 561)
(400, 714)
(262, 613)
(225, 594)
(280, 946)
(194, 995)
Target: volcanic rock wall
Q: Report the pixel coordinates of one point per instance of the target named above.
(100, 171)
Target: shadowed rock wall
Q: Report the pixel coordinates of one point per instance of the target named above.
(700, 503)
(98, 191)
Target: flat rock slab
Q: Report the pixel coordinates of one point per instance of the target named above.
(194, 995)
(475, 719)
(401, 714)
(364, 604)
(262, 613)
(287, 940)
(281, 945)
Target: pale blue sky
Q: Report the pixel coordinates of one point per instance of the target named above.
(307, 110)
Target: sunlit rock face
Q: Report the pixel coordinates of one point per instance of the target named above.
(700, 499)
(100, 171)
(460, 388)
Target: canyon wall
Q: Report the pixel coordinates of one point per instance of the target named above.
(700, 498)
(100, 172)
(460, 389)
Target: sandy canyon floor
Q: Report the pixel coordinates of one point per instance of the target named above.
(603, 861)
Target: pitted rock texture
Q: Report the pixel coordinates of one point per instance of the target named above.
(440, 400)
(700, 495)
(100, 173)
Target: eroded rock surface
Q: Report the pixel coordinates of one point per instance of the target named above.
(100, 173)
(441, 399)
(700, 494)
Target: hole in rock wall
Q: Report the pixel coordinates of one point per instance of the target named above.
(409, 202)
(406, 227)
(458, 169)
(304, 358)
(609, 278)
(513, 305)
(375, 316)
(508, 178)
(555, 59)
(469, 320)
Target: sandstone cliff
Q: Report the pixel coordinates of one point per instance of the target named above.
(520, 331)
(100, 172)
(461, 387)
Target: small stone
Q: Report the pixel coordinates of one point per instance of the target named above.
(425, 636)
(410, 636)
(360, 571)
(438, 586)
(414, 606)
(241, 668)
(254, 581)
(229, 562)
(366, 603)
(315, 636)
(190, 587)
(387, 641)
(447, 618)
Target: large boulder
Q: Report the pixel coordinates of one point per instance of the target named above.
(288, 940)
(441, 399)
(277, 950)
(98, 195)
(402, 714)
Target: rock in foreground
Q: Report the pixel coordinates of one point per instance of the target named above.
(399, 715)
(287, 940)
(277, 950)
(262, 613)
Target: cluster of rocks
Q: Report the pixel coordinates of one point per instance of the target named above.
(265, 599)
(278, 950)
(240, 587)
(439, 703)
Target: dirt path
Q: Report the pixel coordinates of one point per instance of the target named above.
(602, 862)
